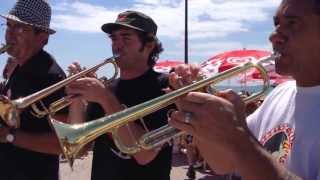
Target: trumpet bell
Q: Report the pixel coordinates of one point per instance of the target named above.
(67, 142)
(8, 112)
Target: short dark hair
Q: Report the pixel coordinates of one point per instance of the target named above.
(146, 38)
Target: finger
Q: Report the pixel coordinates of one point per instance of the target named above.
(187, 106)
(182, 116)
(92, 75)
(174, 81)
(74, 98)
(195, 69)
(184, 71)
(71, 69)
(198, 97)
(233, 97)
(230, 95)
(182, 126)
(86, 81)
(75, 91)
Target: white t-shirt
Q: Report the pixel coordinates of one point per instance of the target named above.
(288, 125)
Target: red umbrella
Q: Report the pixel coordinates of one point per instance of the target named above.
(227, 60)
(164, 66)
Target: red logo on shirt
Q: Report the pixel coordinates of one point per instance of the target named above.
(279, 142)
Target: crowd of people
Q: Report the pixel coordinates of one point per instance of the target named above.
(276, 139)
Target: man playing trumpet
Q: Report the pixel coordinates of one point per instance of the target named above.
(280, 140)
(31, 151)
(133, 37)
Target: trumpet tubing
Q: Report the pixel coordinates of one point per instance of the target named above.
(9, 110)
(73, 137)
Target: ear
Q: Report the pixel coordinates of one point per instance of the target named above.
(43, 37)
(150, 46)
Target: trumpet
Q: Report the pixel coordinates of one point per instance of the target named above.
(9, 110)
(4, 48)
(73, 137)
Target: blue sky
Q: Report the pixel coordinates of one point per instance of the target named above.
(214, 26)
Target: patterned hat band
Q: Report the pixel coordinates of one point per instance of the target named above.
(36, 13)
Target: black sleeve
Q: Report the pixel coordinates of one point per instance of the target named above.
(94, 111)
(32, 123)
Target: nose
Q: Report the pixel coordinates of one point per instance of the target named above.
(117, 43)
(277, 37)
(8, 35)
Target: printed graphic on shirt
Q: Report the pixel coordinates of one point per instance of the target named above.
(279, 142)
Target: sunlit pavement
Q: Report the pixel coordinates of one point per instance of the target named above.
(82, 169)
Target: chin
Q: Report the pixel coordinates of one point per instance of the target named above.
(11, 52)
(282, 69)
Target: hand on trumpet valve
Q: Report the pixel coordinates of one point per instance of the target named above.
(183, 75)
(89, 89)
(75, 68)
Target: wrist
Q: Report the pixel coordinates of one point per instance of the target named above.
(110, 104)
(249, 153)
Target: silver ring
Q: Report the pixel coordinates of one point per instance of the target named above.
(188, 117)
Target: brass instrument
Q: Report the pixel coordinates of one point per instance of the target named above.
(73, 137)
(4, 48)
(10, 109)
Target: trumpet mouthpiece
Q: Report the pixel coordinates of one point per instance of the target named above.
(4, 48)
(116, 55)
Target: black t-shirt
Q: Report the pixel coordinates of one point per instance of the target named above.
(108, 161)
(38, 73)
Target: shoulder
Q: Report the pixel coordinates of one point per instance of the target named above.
(162, 78)
(277, 98)
(284, 88)
(53, 72)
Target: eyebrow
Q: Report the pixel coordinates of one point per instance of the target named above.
(288, 17)
(291, 17)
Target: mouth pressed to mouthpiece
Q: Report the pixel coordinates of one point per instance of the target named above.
(116, 55)
(4, 48)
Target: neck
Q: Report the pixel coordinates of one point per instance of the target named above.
(308, 81)
(22, 60)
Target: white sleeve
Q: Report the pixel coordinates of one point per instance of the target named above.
(252, 122)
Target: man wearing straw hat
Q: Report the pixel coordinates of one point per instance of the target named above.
(30, 151)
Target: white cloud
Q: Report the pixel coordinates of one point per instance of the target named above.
(214, 18)
(208, 20)
(78, 16)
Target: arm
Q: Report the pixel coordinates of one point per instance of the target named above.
(93, 90)
(128, 134)
(223, 138)
(39, 142)
(253, 162)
